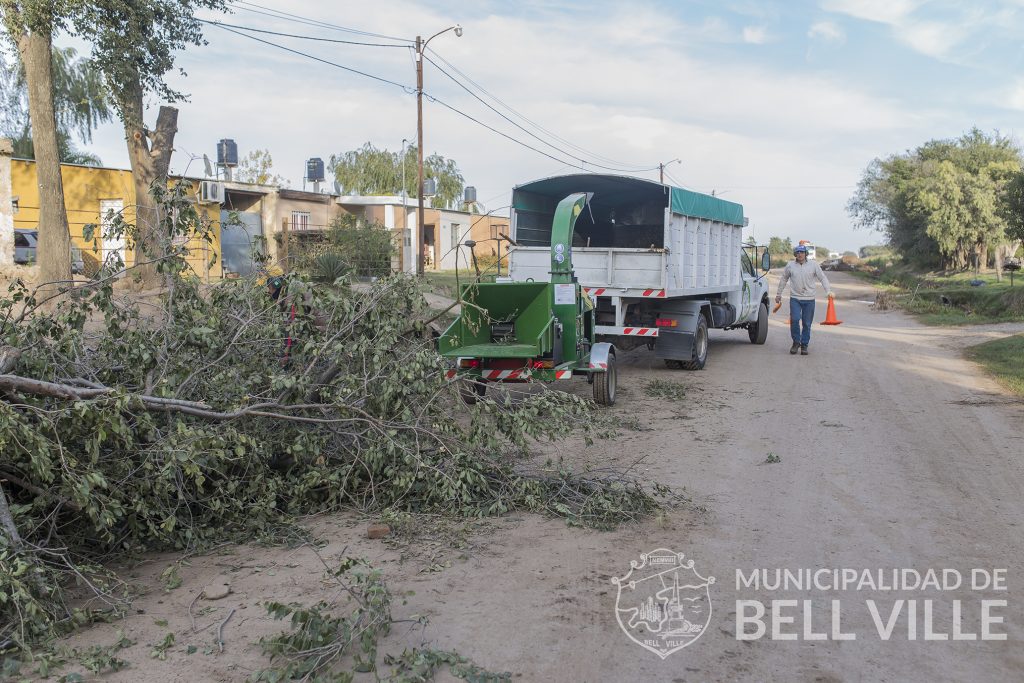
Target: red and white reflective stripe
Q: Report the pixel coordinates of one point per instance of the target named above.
(596, 291)
(451, 374)
(603, 366)
(640, 331)
(563, 374)
(660, 293)
(505, 374)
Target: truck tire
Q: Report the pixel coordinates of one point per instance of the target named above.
(700, 346)
(471, 391)
(759, 332)
(604, 384)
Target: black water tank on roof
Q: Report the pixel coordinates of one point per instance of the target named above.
(227, 153)
(315, 169)
(470, 194)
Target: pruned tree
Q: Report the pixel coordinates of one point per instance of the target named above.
(30, 24)
(372, 171)
(133, 45)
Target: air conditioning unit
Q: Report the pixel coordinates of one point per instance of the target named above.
(211, 192)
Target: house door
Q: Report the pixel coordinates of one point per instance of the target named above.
(111, 246)
(429, 247)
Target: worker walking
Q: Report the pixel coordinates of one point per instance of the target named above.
(801, 274)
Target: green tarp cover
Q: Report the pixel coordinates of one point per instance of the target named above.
(542, 195)
(699, 205)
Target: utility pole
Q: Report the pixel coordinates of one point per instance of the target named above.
(420, 238)
(661, 173)
(421, 46)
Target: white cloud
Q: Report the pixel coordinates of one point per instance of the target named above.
(1014, 97)
(932, 38)
(891, 12)
(630, 91)
(827, 31)
(755, 35)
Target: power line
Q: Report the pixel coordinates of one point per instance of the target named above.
(295, 35)
(522, 117)
(406, 88)
(278, 14)
(531, 134)
(409, 90)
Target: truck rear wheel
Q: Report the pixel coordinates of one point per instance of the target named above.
(700, 346)
(759, 332)
(604, 384)
(471, 391)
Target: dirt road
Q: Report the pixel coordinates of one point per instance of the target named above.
(894, 453)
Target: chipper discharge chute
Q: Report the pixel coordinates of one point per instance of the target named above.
(531, 331)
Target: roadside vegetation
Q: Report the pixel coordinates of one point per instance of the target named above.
(1004, 358)
(949, 298)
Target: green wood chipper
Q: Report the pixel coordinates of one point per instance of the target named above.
(531, 331)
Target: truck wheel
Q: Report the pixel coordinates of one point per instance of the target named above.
(471, 390)
(759, 332)
(700, 346)
(604, 384)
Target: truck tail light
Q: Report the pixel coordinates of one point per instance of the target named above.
(541, 364)
(666, 322)
(469, 362)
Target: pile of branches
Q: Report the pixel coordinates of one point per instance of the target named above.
(223, 412)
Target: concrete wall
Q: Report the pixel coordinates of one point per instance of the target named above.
(6, 210)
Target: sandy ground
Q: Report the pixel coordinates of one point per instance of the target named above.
(895, 453)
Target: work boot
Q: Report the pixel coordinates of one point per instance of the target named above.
(803, 350)
(794, 348)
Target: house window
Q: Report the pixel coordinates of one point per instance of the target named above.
(300, 220)
(456, 230)
(408, 238)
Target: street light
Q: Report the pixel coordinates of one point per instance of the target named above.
(661, 169)
(421, 46)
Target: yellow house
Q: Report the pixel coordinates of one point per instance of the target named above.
(90, 195)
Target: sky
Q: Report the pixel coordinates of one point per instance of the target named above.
(778, 106)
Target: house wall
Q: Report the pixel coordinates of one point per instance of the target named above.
(85, 187)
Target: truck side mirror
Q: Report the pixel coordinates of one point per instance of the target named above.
(766, 261)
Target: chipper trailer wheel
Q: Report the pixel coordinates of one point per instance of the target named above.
(471, 391)
(604, 384)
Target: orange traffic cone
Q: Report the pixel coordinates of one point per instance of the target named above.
(830, 314)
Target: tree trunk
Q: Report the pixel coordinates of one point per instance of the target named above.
(54, 249)
(150, 156)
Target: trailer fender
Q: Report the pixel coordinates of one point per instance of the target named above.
(599, 354)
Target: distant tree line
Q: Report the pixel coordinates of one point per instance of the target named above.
(950, 204)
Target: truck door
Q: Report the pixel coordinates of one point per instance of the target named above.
(749, 297)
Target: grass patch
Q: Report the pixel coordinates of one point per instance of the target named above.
(661, 388)
(1003, 358)
(949, 299)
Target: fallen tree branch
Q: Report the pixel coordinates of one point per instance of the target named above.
(273, 410)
